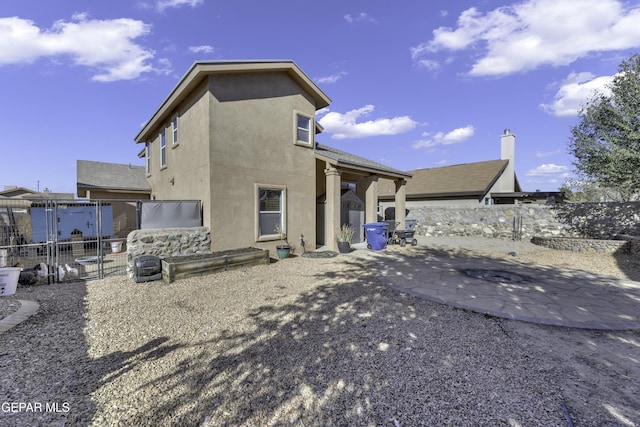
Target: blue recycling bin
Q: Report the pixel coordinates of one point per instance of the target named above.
(376, 233)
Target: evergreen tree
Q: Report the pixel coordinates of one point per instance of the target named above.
(606, 141)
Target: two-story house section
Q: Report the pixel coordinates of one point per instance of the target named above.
(240, 137)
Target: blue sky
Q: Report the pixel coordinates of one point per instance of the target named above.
(414, 84)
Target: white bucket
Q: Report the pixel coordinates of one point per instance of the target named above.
(116, 247)
(9, 280)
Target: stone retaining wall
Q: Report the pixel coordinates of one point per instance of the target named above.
(167, 242)
(600, 220)
(583, 220)
(582, 245)
(498, 221)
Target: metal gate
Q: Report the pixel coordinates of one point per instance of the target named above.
(517, 221)
(66, 240)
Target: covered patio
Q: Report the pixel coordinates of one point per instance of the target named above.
(335, 168)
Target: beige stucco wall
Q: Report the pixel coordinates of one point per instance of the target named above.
(252, 132)
(186, 175)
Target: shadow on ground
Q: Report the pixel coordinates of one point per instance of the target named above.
(628, 263)
(352, 352)
(514, 290)
(41, 366)
(347, 351)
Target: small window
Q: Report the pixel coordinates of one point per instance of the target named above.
(147, 156)
(271, 202)
(163, 149)
(303, 129)
(174, 129)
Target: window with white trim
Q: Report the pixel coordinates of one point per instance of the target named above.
(304, 134)
(163, 149)
(271, 202)
(147, 156)
(174, 129)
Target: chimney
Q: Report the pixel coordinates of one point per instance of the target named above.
(507, 152)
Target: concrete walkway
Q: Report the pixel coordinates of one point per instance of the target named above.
(537, 294)
(26, 310)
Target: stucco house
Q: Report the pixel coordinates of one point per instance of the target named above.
(14, 192)
(469, 184)
(101, 180)
(240, 136)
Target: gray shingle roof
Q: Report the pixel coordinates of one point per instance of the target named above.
(111, 176)
(468, 179)
(347, 159)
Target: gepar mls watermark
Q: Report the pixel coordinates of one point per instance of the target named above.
(37, 407)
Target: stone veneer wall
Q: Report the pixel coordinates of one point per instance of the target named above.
(585, 245)
(590, 220)
(600, 220)
(488, 221)
(167, 242)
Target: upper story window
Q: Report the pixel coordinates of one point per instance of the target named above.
(304, 134)
(174, 129)
(163, 149)
(147, 157)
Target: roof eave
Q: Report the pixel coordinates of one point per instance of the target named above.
(359, 167)
(440, 196)
(114, 189)
(201, 69)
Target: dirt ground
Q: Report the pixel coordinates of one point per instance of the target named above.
(308, 308)
(601, 368)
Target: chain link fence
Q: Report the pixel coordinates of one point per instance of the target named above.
(64, 240)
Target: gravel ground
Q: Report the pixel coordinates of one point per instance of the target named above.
(8, 306)
(310, 341)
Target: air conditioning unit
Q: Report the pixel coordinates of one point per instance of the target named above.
(147, 268)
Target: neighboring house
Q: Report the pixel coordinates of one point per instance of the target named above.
(14, 192)
(110, 181)
(240, 137)
(99, 180)
(469, 184)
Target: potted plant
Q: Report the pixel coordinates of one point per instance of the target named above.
(284, 249)
(344, 236)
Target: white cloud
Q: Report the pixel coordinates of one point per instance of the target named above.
(429, 64)
(331, 79)
(162, 5)
(201, 49)
(440, 138)
(541, 154)
(549, 170)
(105, 46)
(359, 17)
(532, 33)
(575, 91)
(346, 126)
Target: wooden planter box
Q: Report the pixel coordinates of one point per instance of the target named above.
(181, 267)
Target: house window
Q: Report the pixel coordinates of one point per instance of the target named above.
(271, 202)
(163, 149)
(147, 156)
(174, 129)
(303, 129)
